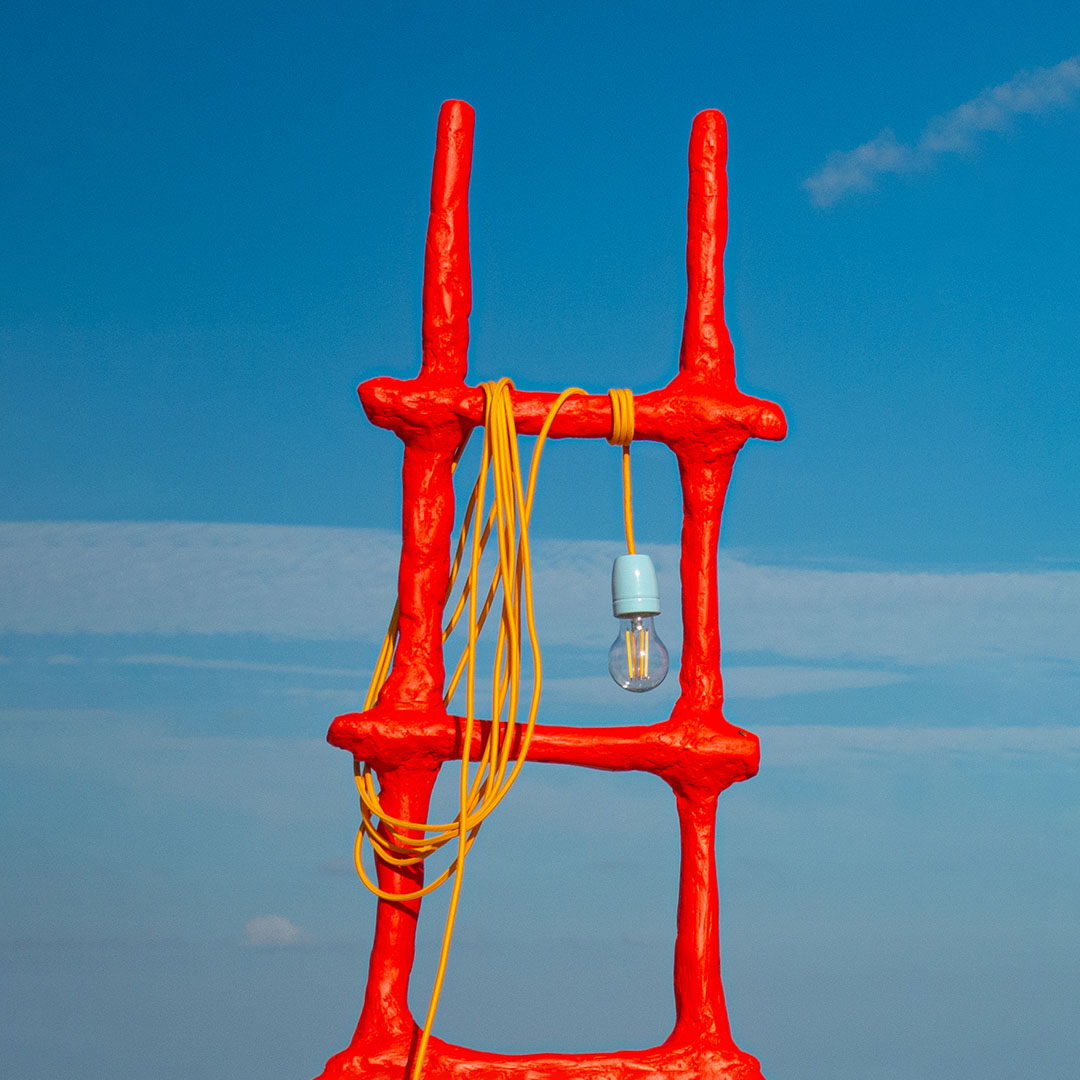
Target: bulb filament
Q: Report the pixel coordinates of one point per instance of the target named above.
(637, 653)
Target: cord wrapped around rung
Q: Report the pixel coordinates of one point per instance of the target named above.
(622, 417)
(622, 434)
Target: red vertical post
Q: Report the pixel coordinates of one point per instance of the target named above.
(418, 675)
(706, 361)
(447, 276)
(699, 995)
(706, 345)
(704, 485)
(406, 793)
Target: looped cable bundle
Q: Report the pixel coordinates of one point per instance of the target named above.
(396, 842)
(401, 843)
(408, 843)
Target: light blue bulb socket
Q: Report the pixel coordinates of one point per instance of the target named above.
(633, 586)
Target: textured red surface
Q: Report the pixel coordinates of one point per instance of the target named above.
(407, 736)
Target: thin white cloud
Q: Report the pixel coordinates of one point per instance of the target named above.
(1039, 90)
(273, 930)
(812, 744)
(347, 700)
(778, 680)
(337, 584)
(741, 682)
(338, 866)
(198, 662)
(271, 779)
(925, 619)
(191, 578)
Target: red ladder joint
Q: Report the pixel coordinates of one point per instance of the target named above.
(705, 420)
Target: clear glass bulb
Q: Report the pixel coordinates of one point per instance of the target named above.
(638, 659)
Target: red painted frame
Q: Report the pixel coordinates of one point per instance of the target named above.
(408, 734)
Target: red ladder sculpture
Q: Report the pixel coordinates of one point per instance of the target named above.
(408, 734)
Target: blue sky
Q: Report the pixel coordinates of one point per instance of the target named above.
(212, 220)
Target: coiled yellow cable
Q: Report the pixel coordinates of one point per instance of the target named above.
(407, 843)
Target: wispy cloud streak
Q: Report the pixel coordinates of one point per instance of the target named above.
(273, 930)
(205, 664)
(321, 584)
(1039, 90)
(195, 578)
(805, 744)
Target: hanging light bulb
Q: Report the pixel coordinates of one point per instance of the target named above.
(638, 659)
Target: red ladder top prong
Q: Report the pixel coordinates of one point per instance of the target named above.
(447, 278)
(706, 345)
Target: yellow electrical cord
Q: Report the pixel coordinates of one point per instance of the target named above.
(407, 843)
(402, 843)
(622, 434)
